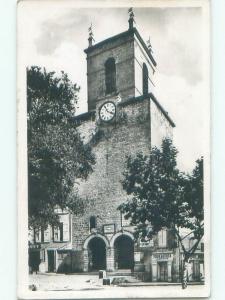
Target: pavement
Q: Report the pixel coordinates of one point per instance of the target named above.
(90, 286)
(62, 282)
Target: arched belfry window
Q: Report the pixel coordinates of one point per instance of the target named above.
(110, 75)
(145, 79)
(92, 222)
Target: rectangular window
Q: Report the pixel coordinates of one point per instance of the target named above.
(37, 236)
(162, 238)
(42, 235)
(57, 230)
(61, 233)
(47, 234)
(42, 255)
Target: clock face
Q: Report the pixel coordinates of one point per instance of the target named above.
(107, 111)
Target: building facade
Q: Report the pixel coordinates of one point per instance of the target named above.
(124, 118)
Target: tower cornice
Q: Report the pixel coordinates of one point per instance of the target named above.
(131, 32)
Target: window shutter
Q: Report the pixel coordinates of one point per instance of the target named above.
(38, 235)
(31, 235)
(164, 232)
(162, 238)
(66, 232)
(64, 219)
(42, 255)
(56, 234)
(47, 235)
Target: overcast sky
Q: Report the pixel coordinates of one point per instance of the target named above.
(54, 36)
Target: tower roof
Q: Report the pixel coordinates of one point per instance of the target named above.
(130, 32)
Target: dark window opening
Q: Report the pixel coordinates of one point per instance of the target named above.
(61, 231)
(110, 76)
(42, 235)
(145, 79)
(92, 222)
(202, 247)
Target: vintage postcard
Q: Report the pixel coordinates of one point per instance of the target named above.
(113, 149)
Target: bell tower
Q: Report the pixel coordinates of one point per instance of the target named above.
(122, 65)
(124, 118)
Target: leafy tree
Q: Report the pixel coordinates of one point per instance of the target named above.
(56, 153)
(163, 197)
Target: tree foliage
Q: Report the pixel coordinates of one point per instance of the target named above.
(160, 196)
(56, 153)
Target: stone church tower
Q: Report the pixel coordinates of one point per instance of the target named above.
(123, 118)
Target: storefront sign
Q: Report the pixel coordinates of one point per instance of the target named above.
(109, 228)
(137, 256)
(162, 256)
(35, 246)
(147, 244)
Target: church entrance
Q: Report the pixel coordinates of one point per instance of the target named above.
(124, 252)
(96, 254)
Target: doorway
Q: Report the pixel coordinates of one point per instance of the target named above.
(96, 254)
(34, 260)
(124, 252)
(51, 261)
(162, 271)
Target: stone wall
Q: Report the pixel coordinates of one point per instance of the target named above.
(122, 50)
(140, 58)
(130, 133)
(160, 126)
(103, 190)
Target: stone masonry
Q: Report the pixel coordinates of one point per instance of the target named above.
(100, 238)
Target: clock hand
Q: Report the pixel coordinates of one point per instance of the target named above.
(110, 112)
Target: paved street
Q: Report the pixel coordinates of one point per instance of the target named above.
(61, 282)
(90, 286)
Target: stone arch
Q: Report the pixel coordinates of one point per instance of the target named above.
(127, 233)
(97, 235)
(95, 252)
(123, 246)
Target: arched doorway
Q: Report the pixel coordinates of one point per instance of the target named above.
(96, 254)
(124, 252)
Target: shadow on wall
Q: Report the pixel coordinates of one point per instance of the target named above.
(70, 262)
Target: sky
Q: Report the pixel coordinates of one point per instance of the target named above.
(54, 36)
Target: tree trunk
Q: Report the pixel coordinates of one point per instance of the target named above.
(184, 272)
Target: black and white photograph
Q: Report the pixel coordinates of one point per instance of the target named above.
(113, 138)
